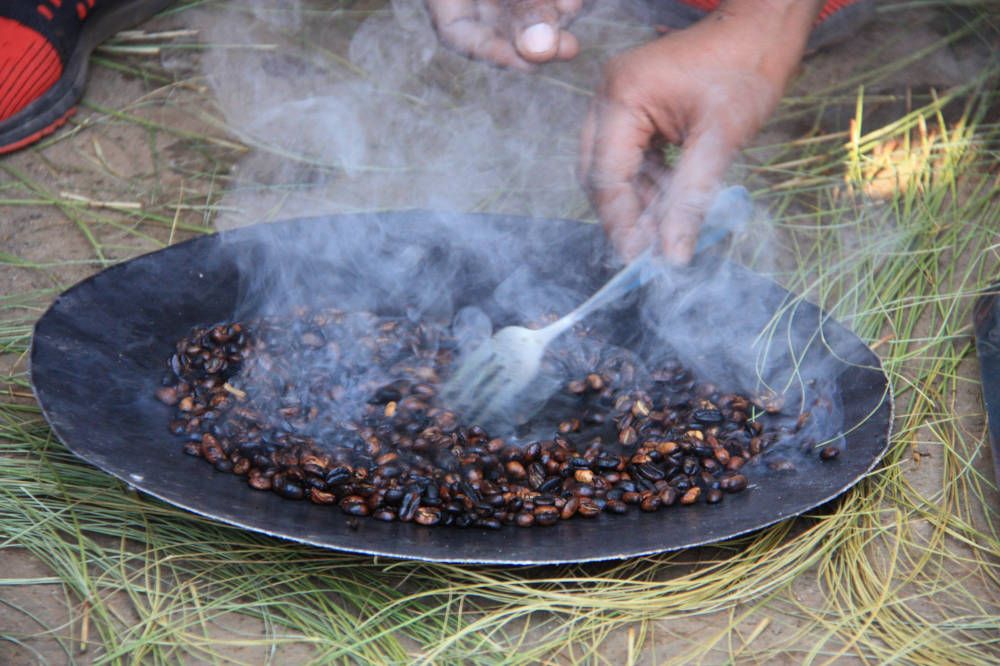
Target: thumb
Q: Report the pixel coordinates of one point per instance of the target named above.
(535, 26)
(696, 179)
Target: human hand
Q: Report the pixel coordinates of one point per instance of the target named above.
(708, 89)
(509, 33)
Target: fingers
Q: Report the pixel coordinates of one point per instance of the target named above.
(509, 33)
(537, 29)
(697, 177)
(613, 143)
(459, 24)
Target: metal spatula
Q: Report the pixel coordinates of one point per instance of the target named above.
(492, 378)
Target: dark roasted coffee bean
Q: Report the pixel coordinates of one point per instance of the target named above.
(713, 496)
(733, 483)
(781, 465)
(167, 395)
(321, 497)
(668, 496)
(525, 519)
(616, 506)
(427, 515)
(515, 470)
(708, 416)
(546, 515)
(650, 502)
(829, 453)
(408, 507)
(570, 508)
(354, 505)
(550, 484)
(650, 472)
(536, 475)
(338, 475)
(631, 497)
(595, 382)
(589, 508)
(489, 523)
(387, 515)
(286, 487)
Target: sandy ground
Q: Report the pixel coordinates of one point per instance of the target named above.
(101, 157)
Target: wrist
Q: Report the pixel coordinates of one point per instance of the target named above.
(778, 28)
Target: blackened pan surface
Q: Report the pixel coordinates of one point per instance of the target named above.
(98, 355)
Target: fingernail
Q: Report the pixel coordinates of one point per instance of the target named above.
(538, 38)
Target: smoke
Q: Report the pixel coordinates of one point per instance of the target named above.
(401, 123)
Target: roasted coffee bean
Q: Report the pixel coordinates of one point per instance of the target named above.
(595, 382)
(668, 496)
(525, 519)
(590, 508)
(259, 481)
(829, 453)
(631, 497)
(489, 523)
(427, 515)
(627, 437)
(354, 505)
(168, 395)
(570, 508)
(616, 506)
(781, 465)
(515, 470)
(650, 472)
(708, 416)
(260, 400)
(650, 502)
(536, 475)
(733, 483)
(338, 475)
(713, 496)
(546, 515)
(287, 488)
(411, 502)
(321, 497)
(691, 496)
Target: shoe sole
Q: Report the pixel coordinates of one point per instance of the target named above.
(58, 103)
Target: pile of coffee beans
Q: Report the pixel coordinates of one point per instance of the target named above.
(341, 408)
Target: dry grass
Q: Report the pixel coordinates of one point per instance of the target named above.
(892, 227)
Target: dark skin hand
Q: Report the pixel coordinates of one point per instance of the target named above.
(708, 89)
(510, 33)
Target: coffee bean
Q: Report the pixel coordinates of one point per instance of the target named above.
(259, 399)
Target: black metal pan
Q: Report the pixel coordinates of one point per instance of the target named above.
(98, 355)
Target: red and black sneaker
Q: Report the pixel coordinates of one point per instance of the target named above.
(838, 21)
(44, 46)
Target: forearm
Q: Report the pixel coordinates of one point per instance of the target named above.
(782, 27)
